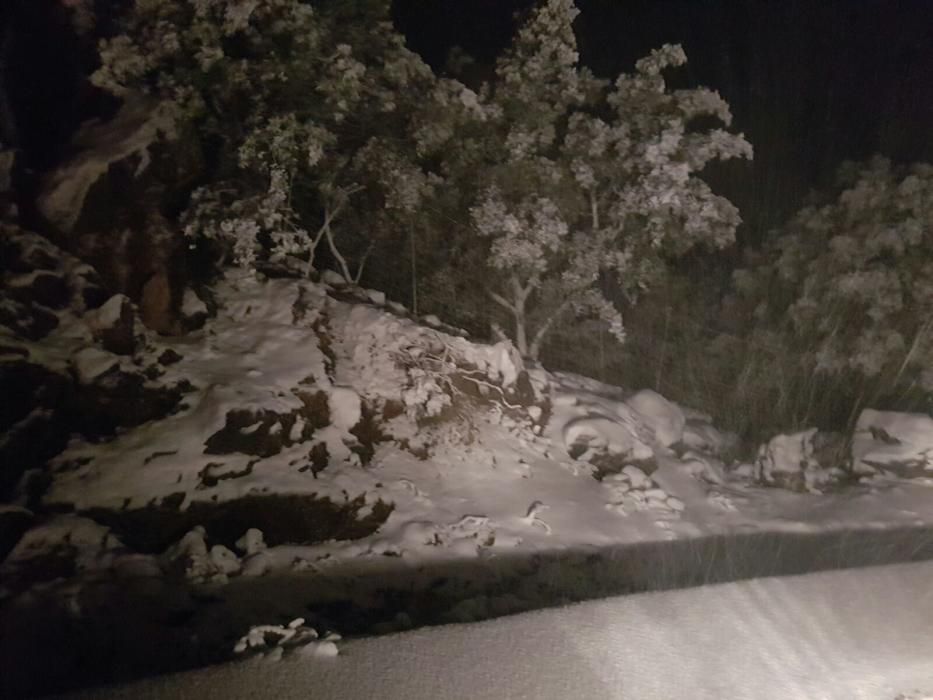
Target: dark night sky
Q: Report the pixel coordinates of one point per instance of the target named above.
(811, 82)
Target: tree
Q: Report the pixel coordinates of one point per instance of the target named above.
(576, 187)
(293, 119)
(848, 283)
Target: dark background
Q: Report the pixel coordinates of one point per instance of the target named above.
(811, 82)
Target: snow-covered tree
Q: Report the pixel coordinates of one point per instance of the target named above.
(580, 188)
(296, 111)
(849, 282)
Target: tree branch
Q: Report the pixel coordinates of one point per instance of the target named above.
(501, 300)
(545, 328)
(362, 263)
(521, 293)
(341, 198)
(594, 210)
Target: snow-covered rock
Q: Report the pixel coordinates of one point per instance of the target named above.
(225, 560)
(191, 558)
(85, 544)
(376, 297)
(899, 443)
(251, 542)
(664, 417)
(702, 466)
(192, 305)
(272, 641)
(257, 564)
(636, 476)
(595, 432)
(90, 363)
(332, 278)
(701, 436)
(114, 325)
(791, 461)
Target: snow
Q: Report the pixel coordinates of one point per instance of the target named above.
(666, 419)
(701, 436)
(486, 463)
(600, 431)
(471, 468)
(251, 542)
(192, 304)
(886, 439)
(92, 546)
(109, 314)
(790, 456)
(859, 634)
(345, 408)
(91, 362)
(334, 279)
(376, 297)
(253, 357)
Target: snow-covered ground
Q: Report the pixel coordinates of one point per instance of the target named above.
(330, 450)
(860, 634)
(462, 462)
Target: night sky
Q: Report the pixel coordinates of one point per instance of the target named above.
(811, 83)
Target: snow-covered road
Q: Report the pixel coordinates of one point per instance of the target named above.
(858, 634)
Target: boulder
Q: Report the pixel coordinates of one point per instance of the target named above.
(794, 461)
(664, 417)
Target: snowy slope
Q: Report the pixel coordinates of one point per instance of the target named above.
(861, 634)
(396, 439)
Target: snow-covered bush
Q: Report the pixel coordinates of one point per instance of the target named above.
(575, 186)
(846, 288)
(296, 111)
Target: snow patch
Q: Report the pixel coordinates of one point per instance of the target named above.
(894, 441)
(345, 408)
(600, 432)
(192, 304)
(108, 315)
(90, 363)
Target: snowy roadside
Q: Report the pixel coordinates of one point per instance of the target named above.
(860, 634)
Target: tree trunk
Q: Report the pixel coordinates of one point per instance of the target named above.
(521, 332)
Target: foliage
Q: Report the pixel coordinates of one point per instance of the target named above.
(575, 188)
(295, 119)
(830, 316)
(845, 288)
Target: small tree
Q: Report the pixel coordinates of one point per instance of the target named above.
(294, 120)
(579, 188)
